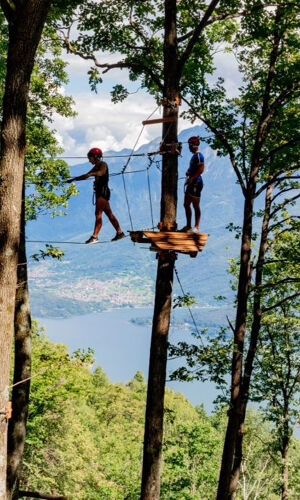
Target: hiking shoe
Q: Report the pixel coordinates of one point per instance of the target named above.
(185, 229)
(118, 236)
(91, 240)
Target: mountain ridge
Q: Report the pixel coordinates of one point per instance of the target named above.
(125, 268)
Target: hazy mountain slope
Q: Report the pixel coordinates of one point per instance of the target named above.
(122, 274)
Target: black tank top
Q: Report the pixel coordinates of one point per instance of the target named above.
(101, 185)
(101, 181)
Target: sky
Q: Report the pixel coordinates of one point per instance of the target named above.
(100, 123)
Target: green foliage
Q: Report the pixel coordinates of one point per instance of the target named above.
(119, 93)
(51, 251)
(45, 175)
(185, 300)
(85, 436)
(275, 94)
(134, 31)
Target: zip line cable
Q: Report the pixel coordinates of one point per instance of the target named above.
(149, 190)
(190, 311)
(126, 165)
(68, 242)
(111, 156)
(104, 156)
(137, 140)
(127, 201)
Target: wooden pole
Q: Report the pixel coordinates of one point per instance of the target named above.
(165, 269)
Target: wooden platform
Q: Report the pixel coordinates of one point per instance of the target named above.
(189, 243)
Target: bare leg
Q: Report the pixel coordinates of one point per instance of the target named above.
(187, 207)
(98, 215)
(196, 205)
(112, 219)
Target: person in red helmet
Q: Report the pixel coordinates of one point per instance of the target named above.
(193, 185)
(102, 192)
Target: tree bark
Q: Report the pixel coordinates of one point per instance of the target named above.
(22, 371)
(284, 454)
(236, 410)
(234, 413)
(150, 489)
(254, 335)
(26, 22)
(285, 475)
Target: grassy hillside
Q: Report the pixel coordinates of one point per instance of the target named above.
(85, 437)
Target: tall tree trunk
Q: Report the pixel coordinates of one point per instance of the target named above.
(255, 329)
(150, 489)
(22, 371)
(285, 454)
(26, 21)
(233, 424)
(236, 410)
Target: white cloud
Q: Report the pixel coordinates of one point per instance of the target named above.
(110, 126)
(106, 125)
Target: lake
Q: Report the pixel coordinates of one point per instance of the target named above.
(122, 346)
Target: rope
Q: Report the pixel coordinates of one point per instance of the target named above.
(136, 142)
(128, 172)
(127, 201)
(113, 156)
(190, 311)
(149, 190)
(67, 242)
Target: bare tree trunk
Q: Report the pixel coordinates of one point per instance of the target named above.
(255, 329)
(26, 21)
(150, 489)
(22, 371)
(285, 454)
(233, 424)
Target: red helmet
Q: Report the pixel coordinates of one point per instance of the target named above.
(97, 152)
(194, 140)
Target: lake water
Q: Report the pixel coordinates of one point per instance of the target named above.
(122, 347)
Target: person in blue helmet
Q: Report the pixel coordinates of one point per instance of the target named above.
(102, 192)
(193, 186)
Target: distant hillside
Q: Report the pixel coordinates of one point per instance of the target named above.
(121, 274)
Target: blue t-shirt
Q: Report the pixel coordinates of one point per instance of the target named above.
(194, 164)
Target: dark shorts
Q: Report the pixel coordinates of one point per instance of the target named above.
(103, 192)
(195, 189)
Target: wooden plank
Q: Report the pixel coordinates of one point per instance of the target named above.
(138, 237)
(179, 242)
(163, 245)
(175, 234)
(167, 119)
(188, 243)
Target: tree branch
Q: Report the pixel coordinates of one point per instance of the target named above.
(295, 381)
(230, 324)
(107, 66)
(196, 33)
(286, 190)
(271, 228)
(223, 17)
(276, 179)
(276, 283)
(279, 148)
(9, 9)
(283, 204)
(225, 143)
(281, 302)
(266, 113)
